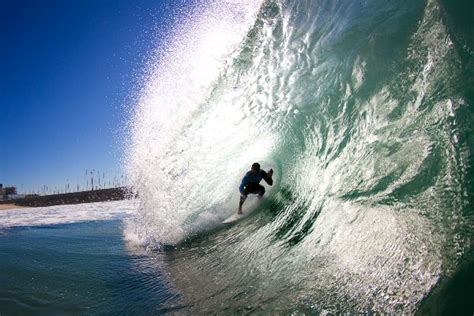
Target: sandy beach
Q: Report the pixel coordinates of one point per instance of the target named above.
(8, 206)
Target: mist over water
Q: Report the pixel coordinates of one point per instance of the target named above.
(363, 108)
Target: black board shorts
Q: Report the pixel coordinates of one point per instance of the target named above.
(254, 188)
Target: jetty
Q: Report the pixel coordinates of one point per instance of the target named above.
(101, 195)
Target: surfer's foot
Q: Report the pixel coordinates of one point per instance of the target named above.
(239, 211)
(260, 197)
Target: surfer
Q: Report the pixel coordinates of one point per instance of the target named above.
(250, 183)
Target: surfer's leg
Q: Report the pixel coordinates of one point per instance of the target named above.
(261, 191)
(243, 197)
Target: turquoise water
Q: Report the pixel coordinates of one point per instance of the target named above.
(81, 268)
(364, 111)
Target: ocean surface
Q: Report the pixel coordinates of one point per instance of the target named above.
(364, 111)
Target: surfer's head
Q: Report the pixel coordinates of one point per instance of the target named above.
(255, 167)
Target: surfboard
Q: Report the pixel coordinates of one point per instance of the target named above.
(251, 204)
(233, 218)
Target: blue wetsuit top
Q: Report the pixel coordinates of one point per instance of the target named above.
(254, 178)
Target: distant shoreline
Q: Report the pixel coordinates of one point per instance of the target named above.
(111, 194)
(9, 206)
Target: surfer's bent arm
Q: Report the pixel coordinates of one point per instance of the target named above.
(268, 176)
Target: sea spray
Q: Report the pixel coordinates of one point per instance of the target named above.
(179, 86)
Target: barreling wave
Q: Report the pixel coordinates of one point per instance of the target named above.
(362, 108)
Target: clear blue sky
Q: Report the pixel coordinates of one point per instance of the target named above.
(68, 69)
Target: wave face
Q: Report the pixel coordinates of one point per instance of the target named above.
(363, 108)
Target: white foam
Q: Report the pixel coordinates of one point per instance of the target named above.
(65, 214)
